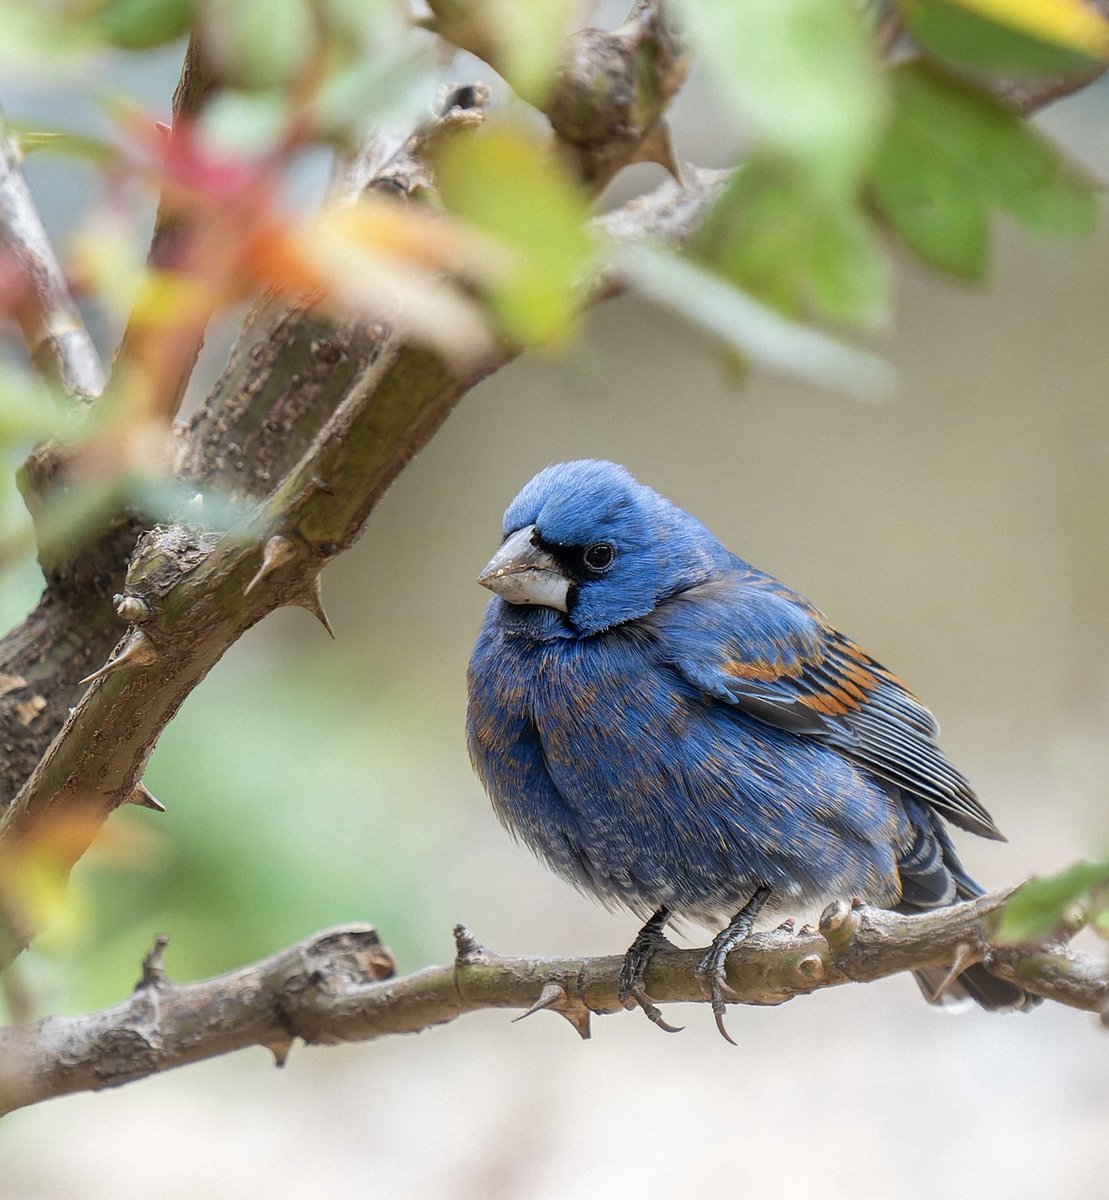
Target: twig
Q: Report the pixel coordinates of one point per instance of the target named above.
(171, 232)
(335, 988)
(56, 337)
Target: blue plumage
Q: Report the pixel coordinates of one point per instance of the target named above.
(674, 731)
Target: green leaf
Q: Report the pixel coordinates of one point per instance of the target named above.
(1100, 922)
(531, 35)
(746, 325)
(140, 24)
(1004, 159)
(36, 42)
(260, 43)
(1039, 905)
(800, 75)
(29, 408)
(36, 140)
(523, 41)
(502, 181)
(245, 123)
(921, 193)
(951, 155)
(370, 89)
(785, 242)
(1010, 36)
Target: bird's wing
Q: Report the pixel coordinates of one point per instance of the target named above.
(748, 640)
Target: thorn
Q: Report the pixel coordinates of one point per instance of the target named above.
(132, 608)
(153, 964)
(467, 948)
(579, 1018)
(555, 997)
(312, 600)
(964, 956)
(142, 797)
(164, 129)
(138, 651)
(552, 995)
(657, 147)
(277, 552)
(280, 1051)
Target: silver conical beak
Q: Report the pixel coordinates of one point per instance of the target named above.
(524, 573)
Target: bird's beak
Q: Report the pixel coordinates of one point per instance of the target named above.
(524, 573)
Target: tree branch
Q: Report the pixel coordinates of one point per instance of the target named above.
(55, 334)
(171, 233)
(313, 418)
(335, 988)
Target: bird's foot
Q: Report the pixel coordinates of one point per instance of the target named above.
(711, 969)
(630, 989)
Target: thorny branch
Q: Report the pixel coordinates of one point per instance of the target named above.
(337, 987)
(310, 422)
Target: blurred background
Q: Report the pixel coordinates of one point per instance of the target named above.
(957, 530)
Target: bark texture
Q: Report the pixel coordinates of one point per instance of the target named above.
(336, 987)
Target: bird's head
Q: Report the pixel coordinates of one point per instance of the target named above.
(586, 540)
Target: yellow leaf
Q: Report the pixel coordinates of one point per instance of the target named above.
(397, 265)
(1071, 24)
(506, 184)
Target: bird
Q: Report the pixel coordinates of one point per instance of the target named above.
(677, 733)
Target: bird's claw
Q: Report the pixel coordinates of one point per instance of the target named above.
(714, 986)
(639, 997)
(711, 968)
(718, 1013)
(629, 985)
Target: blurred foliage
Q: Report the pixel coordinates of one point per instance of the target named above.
(951, 156)
(1042, 904)
(1014, 36)
(799, 74)
(525, 200)
(847, 157)
(756, 332)
(524, 40)
(262, 767)
(788, 244)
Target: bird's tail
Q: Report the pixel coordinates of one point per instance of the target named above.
(932, 877)
(975, 983)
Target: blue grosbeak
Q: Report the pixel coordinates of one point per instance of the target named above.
(675, 731)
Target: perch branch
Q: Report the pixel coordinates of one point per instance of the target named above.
(311, 420)
(336, 988)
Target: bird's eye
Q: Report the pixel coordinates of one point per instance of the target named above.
(598, 558)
